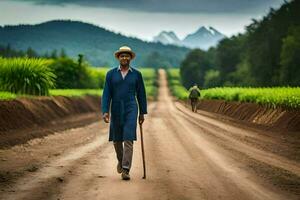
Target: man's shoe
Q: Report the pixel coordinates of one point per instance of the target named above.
(119, 168)
(125, 174)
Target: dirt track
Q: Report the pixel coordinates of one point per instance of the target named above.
(188, 156)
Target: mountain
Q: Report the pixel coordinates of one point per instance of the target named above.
(95, 43)
(203, 38)
(167, 38)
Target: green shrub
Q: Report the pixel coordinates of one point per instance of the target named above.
(69, 73)
(26, 76)
(96, 77)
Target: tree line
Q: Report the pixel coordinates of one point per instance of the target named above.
(266, 55)
(96, 43)
(9, 52)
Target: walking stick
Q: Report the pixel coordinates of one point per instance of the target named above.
(143, 153)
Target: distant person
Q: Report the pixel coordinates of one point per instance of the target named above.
(124, 92)
(194, 94)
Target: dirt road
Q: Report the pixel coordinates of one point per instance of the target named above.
(188, 156)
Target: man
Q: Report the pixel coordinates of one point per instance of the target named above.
(124, 92)
(194, 96)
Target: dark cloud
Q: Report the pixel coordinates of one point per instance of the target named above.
(185, 6)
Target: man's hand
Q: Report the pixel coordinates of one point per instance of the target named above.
(106, 117)
(141, 119)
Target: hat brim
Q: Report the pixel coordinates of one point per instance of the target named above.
(117, 53)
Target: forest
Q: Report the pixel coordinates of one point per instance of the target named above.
(266, 55)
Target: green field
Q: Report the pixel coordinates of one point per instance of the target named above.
(23, 77)
(150, 77)
(7, 95)
(75, 92)
(286, 97)
(55, 92)
(175, 86)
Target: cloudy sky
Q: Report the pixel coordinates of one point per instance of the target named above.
(141, 18)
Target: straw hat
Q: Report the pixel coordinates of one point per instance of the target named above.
(125, 49)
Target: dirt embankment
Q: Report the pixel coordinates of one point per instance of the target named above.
(188, 156)
(267, 118)
(23, 119)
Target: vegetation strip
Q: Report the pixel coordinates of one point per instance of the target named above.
(273, 97)
(31, 77)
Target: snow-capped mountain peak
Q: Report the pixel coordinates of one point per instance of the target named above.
(203, 38)
(167, 38)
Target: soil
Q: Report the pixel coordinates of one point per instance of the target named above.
(275, 119)
(24, 119)
(188, 155)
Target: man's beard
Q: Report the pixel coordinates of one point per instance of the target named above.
(125, 65)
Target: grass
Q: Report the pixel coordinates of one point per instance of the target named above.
(149, 76)
(286, 97)
(54, 92)
(26, 76)
(274, 97)
(7, 95)
(75, 92)
(175, 85)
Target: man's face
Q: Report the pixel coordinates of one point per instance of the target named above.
(124, 58)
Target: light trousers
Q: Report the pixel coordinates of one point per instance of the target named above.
(124, 153)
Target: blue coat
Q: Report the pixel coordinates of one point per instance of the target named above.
(124, 98)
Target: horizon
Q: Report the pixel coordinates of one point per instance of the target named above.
(138, 22)
(65, 20)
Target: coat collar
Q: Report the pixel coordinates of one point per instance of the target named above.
(119, 68)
